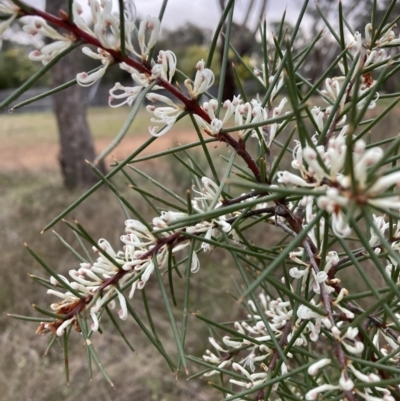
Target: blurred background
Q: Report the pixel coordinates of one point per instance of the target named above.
(42, 170)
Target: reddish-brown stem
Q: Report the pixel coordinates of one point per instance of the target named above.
(190, 105)
(171, 240)
(241, 198)
(240, 148)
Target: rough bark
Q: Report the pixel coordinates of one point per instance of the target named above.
(76, 142)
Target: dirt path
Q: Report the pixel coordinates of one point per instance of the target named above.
(44, 156)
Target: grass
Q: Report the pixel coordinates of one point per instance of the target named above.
(41, 127)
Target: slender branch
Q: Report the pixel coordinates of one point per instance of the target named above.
(326, 300)
(240, 148)
(241, 198)
(286, 228)
(173, 239)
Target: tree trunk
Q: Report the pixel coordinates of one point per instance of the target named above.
(230, 83)
(76, 142)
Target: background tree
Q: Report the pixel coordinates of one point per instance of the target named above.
(242, 37)
(188, 42)
(76, 142)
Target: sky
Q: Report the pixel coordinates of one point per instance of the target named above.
(204, 13)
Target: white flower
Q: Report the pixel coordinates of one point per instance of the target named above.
(370, 378)
(383, 183)
(318, 116)
(151, 24)
(297, 274)
(83, 78)
(356, 347)
(247, 113)
(203, 80)
(339, 225)
(208, 192)
(284, 177)
(165, 115)
(123, 313)
(167, 61)
(345, 383)
(48, 52)
(216, 124)
(305, 313)
(216, 345)
(331, 260)
(260, 114)
(38, 25)
(315, 367)
(313, 394)
(104, 24)
(208, 195)
(77, 11)
(382, 226)
(67, 296)
(128, 93)
(140, 79)
(387, 38)
(63, 326)
(7, 8)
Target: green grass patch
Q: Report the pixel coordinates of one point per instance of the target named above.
(105, 122)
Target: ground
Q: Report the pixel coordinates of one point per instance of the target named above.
(29, 141)
(43, 156)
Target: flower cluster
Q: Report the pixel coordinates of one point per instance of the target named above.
(243, 113)
(105, 26)
(250, 358)
(104, 22)
(9, 9)
(168, 115)
(323, 168)
(47, 52)
(85, 79)
(96, 285)
(251, 350)
(203, 80)
(202, 203)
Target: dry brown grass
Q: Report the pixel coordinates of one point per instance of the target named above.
(25, 374)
